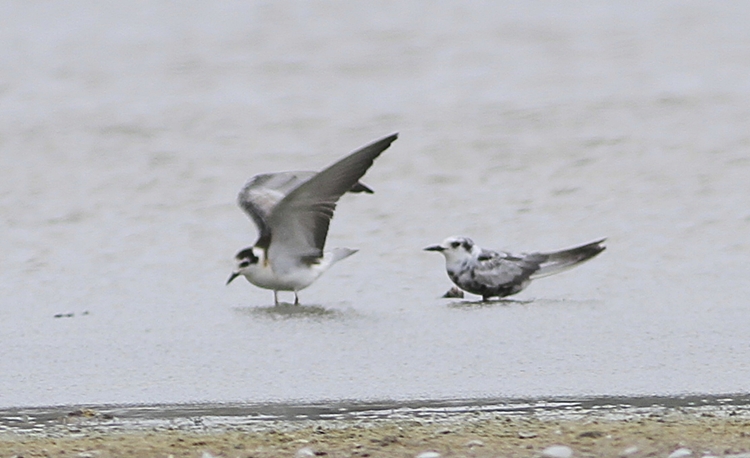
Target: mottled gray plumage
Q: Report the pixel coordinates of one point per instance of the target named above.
(491, 273)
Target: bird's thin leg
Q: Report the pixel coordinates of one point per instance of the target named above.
(296, 298)
(275, 298)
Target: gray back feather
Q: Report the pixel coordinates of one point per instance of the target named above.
(501, 268)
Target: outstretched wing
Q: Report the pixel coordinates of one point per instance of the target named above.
(263, 192)
(298, 225)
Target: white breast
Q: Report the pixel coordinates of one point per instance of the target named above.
(263, 276)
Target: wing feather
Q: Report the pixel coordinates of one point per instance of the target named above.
(500, 269)
(260, 194)
(298, 224)
(263, 192)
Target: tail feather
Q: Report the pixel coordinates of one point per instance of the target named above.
(340, 253)
(559, 261)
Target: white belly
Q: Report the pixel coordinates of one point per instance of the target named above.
(263, 276)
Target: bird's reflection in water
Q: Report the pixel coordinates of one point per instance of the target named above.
(286, 310)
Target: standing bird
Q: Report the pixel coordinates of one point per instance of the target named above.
(293, 211)
(498, 273)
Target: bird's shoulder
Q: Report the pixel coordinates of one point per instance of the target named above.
(262, 192)
(492, 257)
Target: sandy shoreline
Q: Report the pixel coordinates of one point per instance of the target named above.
(474, 433)
(501, 437)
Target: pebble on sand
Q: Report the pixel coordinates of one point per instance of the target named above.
(681, 452)
(474, 443)
(304, 452)
(557, 451)
(429, 455)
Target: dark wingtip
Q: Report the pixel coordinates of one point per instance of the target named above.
(590, 250)
(387, 140)
(361, 187)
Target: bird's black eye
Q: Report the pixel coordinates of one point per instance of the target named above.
(455, 244)
(244, 264)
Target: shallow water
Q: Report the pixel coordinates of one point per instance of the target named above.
(126, 132)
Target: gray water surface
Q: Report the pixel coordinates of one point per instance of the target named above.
(126, 131)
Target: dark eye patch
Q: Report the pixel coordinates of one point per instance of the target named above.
(246, 257)
(455, 244)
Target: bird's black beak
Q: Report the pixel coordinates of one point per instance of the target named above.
(232, 277)
(434, 248)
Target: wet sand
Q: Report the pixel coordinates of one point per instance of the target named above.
(468, 434)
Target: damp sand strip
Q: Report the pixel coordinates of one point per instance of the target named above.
(637, 432)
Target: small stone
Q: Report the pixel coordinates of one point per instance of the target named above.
(474, 443)
(82, 413)
(385, 440)
(304, 452)
(557, 451)
(526, 434)
(680, 452)
(429, 455)
(629, 451)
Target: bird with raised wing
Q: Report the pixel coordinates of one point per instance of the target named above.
(491, 273)
(293, 211)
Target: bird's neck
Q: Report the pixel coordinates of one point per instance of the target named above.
(457, 264)
(262, 255)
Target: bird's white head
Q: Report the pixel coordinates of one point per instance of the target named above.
(246, 261)
(456, 249)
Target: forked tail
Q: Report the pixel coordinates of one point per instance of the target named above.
(340, 253)
(560, 261)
